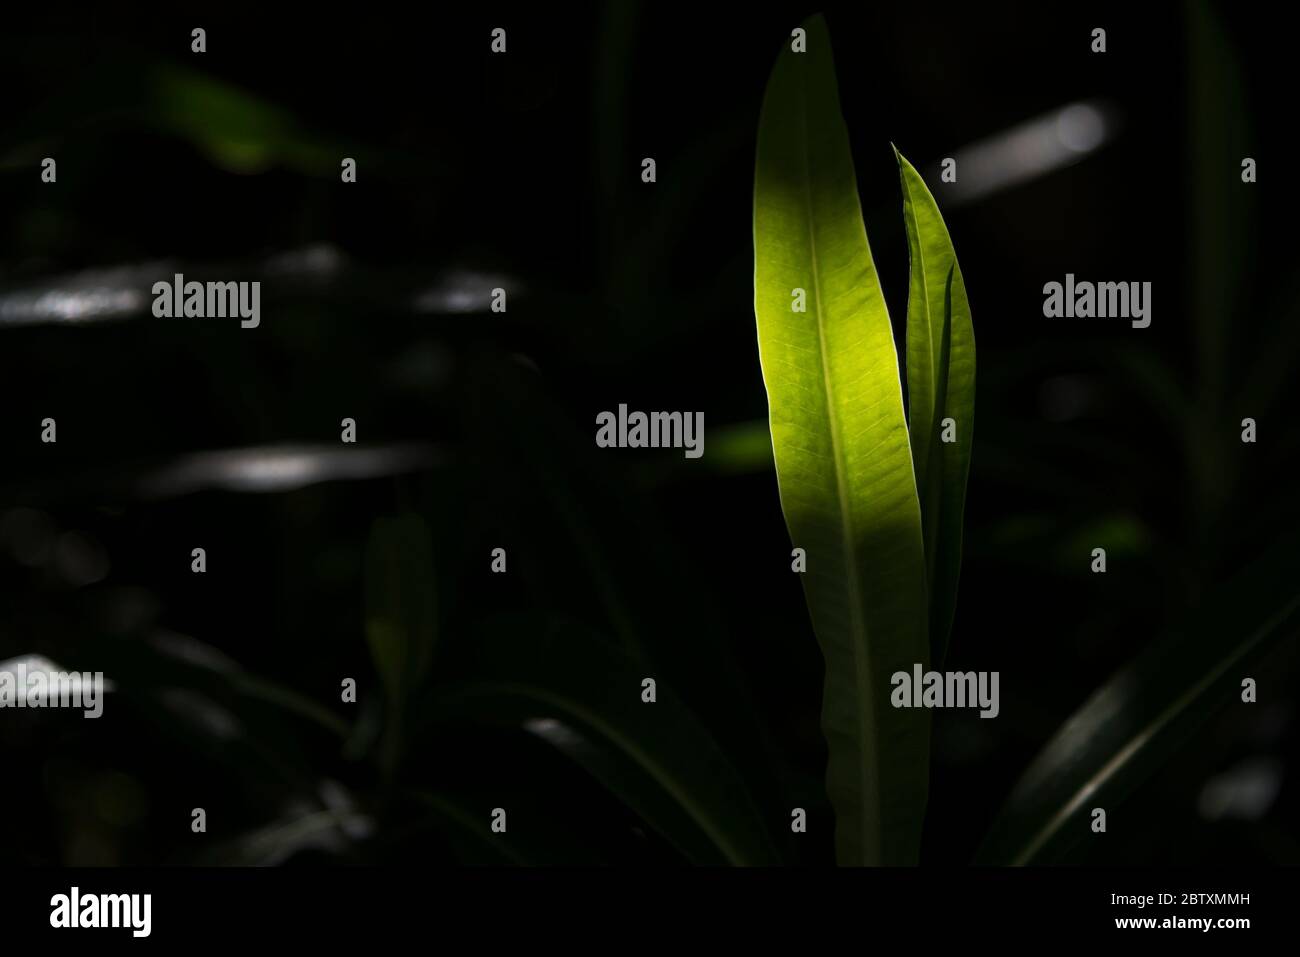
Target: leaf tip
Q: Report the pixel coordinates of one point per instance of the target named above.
(814, 26)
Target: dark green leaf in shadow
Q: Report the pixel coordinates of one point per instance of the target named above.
(1221, 204)
(1125, 732)
(1221, 239)
(583, 696)
(240, 131)
(207, 704)
(464, 821)
(592, 546)
(401, 614)
(470, 832)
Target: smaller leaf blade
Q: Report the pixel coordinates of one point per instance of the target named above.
(941, 387)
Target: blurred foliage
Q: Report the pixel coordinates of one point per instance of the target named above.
(521, 691)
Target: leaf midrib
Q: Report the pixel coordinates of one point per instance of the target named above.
(862, 667)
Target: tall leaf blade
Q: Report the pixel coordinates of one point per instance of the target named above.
(940, 385)
(840, 442)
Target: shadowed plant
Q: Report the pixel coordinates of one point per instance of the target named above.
(872, 498)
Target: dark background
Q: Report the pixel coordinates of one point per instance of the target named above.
(523, 171)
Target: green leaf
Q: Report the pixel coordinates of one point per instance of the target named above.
(583, 696)
(237, 129)
(843, 464)
(400, 614)
(940, 385)
(1138, 720)
(1221, 237)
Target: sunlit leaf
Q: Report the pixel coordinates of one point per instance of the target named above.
(843, 462)
(940, 394)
